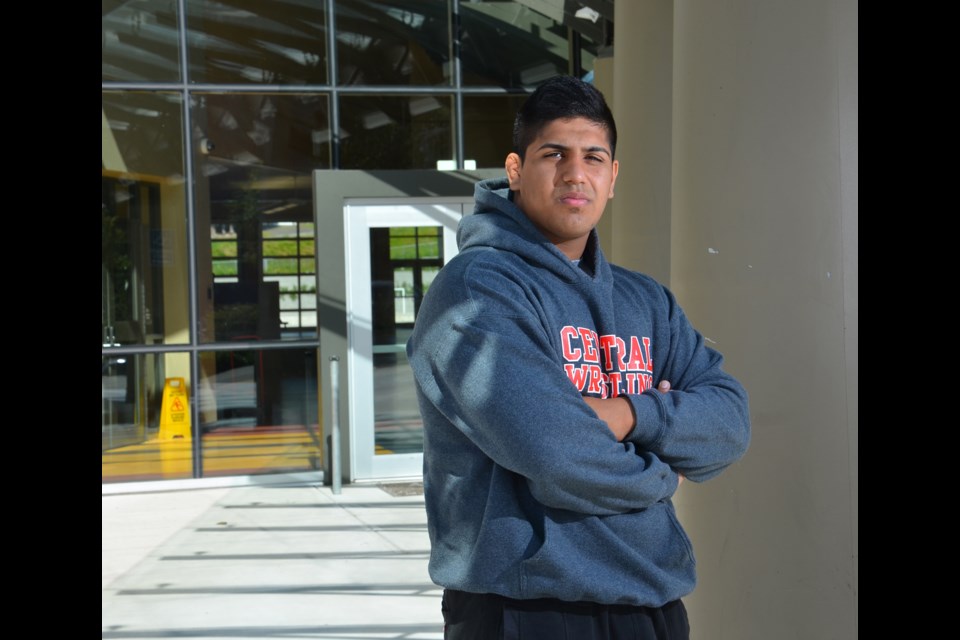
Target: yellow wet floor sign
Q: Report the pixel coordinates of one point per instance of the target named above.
(175, 411)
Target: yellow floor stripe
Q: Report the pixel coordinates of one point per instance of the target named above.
(224, 454)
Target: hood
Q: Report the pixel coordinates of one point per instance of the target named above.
(496, 222)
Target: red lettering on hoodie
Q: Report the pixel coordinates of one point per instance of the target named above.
(607, 368)
(589, 345)
(596, 381)
(577, 375)
(637, 361)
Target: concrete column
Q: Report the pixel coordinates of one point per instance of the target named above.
(763, 257)
(738, 188)
(639, 223)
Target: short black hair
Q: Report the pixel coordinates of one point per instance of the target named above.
(561, 98)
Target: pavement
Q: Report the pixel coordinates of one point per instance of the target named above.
(271, 561)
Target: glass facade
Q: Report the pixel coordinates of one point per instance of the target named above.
(396, 132)
(398, 42)
(214, 114)
(252, 163)
(237, 42)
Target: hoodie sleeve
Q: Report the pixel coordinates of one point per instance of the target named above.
(483, 358)
(702, 424)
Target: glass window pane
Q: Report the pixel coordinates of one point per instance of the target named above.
(399, 278)
(488, 128)
(138, 41)
(255, 210)
(258, 412)
(506, 44)
(145, 433)
(395, 132)
(393, 42)
(143, 268)
(275, 266)
(403, 247)
(276, 42)
(398, 427)
(280, 248)
(428, 247)
(403, 295)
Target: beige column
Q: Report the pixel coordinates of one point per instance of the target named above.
(739, 189)
(639, 221)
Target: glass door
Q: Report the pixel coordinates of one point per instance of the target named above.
(393, 253)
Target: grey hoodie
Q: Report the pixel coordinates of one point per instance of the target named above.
(528, 493)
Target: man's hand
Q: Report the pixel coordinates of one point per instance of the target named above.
(617, 413)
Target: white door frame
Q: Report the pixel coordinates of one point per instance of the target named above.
(332, 190)
(359, 216)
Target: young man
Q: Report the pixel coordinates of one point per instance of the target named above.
(563, 400)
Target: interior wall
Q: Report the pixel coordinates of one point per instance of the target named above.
(762, 235)
(603, 80)
(642, 103)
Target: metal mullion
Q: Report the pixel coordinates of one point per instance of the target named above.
(457, 83)
(395, 90)
(192, 271)
(141, 86)
(293, 89)
(205, 87)
(495, 91)
(334, 113)
(147, 349)
(136, 350)
(261, 345)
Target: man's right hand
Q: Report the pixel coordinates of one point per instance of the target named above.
(598, 406)
(616, 412)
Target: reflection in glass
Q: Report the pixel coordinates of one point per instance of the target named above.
(488, 128)
(254, 153)
(505, 44)
(255, 215)
(138, 41)
(288, 260)
(276, 42)
(395, 132)
(393, 42)
(258, 412)
(398, 427)
(143, 269)
(403, 263)
(138, 439)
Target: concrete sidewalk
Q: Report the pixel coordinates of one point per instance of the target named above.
(267, 562)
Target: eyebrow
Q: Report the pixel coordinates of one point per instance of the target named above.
(561, 147)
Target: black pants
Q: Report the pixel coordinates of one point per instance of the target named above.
(483, 616)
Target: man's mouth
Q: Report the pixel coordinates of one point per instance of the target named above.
(574, 198)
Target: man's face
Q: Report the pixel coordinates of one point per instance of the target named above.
(564, 182)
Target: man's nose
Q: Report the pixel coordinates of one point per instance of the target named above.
(573, 171)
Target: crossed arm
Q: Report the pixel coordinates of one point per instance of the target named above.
(618, 413)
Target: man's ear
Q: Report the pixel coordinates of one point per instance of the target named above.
(513, 165)
(616, 170)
